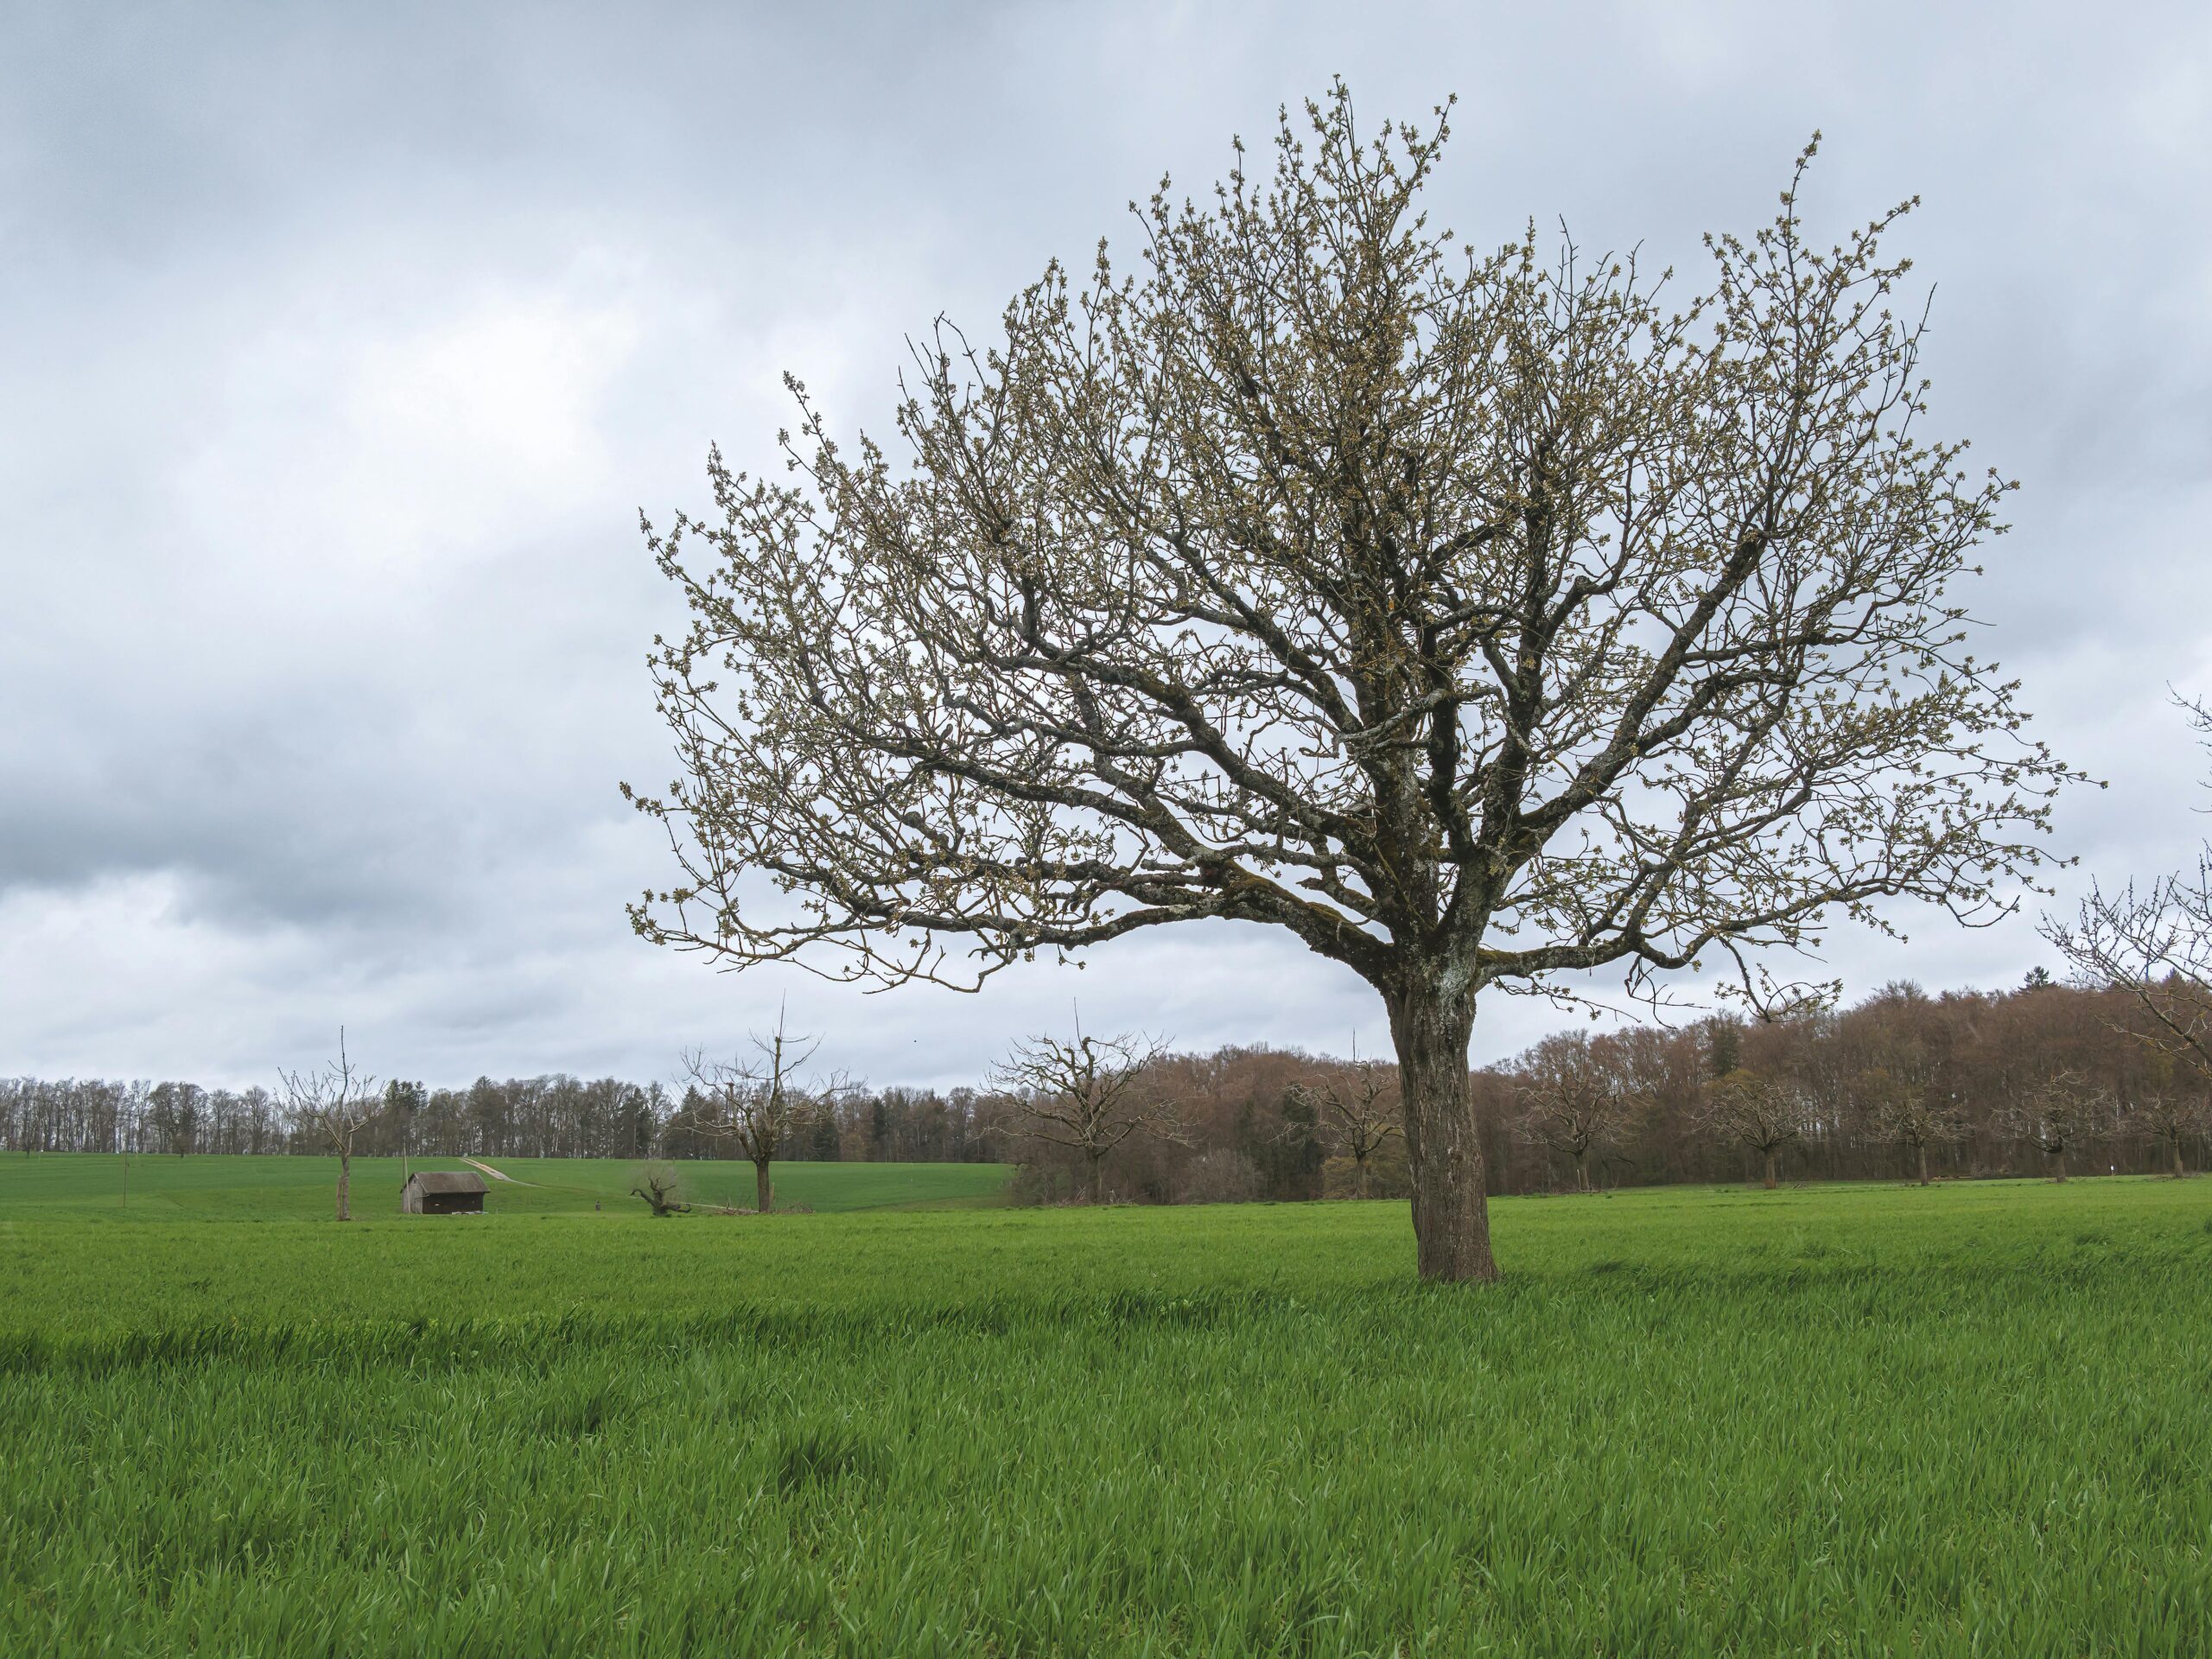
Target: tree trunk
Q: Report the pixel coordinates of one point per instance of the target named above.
(1582, 1170)
(1098, 1182)
(1768, 1183)
(2180, 1169)
(764, 1189)
(1359, 1173)
(2058, 1164)
(1922, 1150)
(344, 1181)
(1451, 1215)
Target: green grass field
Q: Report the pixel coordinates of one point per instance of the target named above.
(1971, 1419)
(75, 1186)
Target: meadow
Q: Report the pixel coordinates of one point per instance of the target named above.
(88, 1187)
(1968, 1419)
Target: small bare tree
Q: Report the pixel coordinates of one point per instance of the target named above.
(1570, 1101)
(2056, 1113)
(1906, 1106)
(662, 1189)
(1357, 1103)
(756, 1103)
(1088, 1095)
(2154, 945)
(1479, 619)
(2171, 1116)
(336, 1103)
(1763, 1113)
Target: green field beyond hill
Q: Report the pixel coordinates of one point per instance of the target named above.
(1970, 1419)
(87, 1187)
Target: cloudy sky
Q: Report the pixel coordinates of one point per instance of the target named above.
(343, 344)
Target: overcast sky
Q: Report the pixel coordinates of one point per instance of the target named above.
(342, 347)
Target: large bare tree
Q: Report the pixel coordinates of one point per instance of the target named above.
(336, 1103)
(1481, 619)
(1087, 1095)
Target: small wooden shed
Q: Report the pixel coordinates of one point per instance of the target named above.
(443, 1193)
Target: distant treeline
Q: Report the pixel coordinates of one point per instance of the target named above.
(1260, 1123)
(554, 1116)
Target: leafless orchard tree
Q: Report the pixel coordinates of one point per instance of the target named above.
(1088, 1094)
(1478, 619)
(336, 1103)
(2056, 1113)
(1570, 1101)
(2172, 1116)
(1906, 1106)
(662, 1189)
(756, 1103)
(2154, 943)
(1765, 1113)
(1358, 1106)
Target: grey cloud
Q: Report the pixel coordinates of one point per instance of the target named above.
(344, 346)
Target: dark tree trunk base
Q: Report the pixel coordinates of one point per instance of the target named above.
(1450, 1212)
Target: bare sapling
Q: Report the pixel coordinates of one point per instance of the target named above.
(756, 1101)
(336, 1103)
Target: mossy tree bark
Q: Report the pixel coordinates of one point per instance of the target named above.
(1450, 1208)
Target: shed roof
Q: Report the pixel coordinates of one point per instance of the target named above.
(448, 1180)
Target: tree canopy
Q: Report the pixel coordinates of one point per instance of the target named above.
(1475, 617)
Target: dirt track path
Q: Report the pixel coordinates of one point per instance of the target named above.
(486, 1169)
